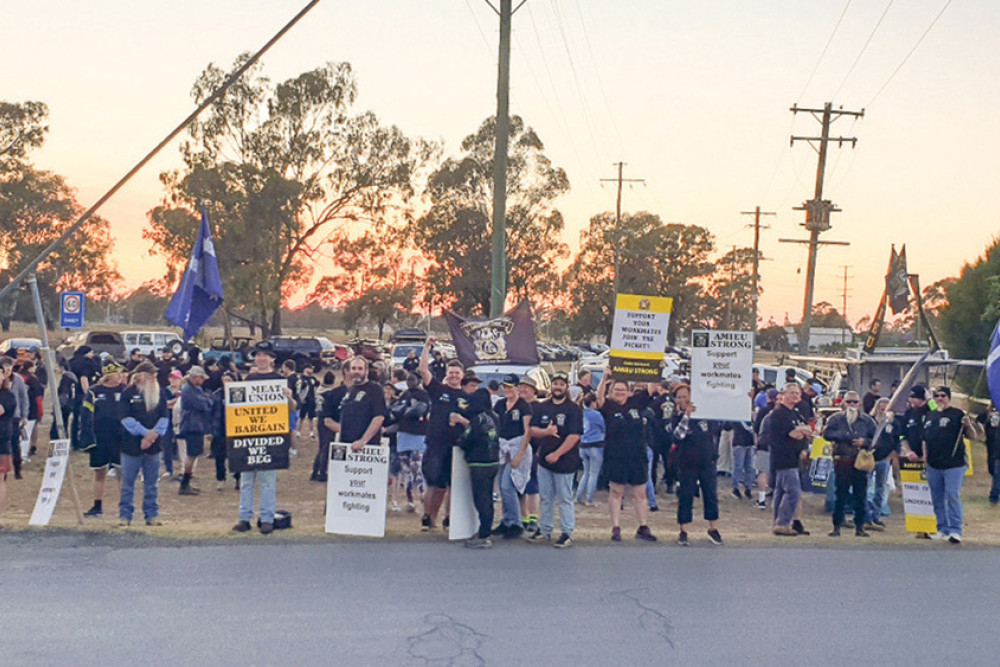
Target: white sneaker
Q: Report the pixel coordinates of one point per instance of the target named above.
(297, 434)
(395, 507)
(955, 538)
(293, 452)
(938, 536)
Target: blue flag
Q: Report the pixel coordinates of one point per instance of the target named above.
(993, 366)
(200, 292)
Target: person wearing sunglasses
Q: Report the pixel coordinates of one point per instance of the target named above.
(944, 453)
(850, 431)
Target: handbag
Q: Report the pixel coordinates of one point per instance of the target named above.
(865, 461)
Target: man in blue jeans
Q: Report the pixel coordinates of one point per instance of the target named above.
(263, 369)
(557, 424)
(788, 437)
(145, 422)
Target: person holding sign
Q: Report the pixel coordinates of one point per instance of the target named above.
(145, 421)
(944, 452)
(262, 369)
(514, 414)
(362, 409)
(625, 462)
(696, 457)
(481, 444)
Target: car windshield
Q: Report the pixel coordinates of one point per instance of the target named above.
(402, 351)
(105, 339)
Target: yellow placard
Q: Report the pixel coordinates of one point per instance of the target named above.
(917, 505)
(249, 420)
(654, 304)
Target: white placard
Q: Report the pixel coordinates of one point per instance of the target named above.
(463, 517)
(721, 370)
(52, 481)
(357, 490)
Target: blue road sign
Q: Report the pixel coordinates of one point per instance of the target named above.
(71, 310)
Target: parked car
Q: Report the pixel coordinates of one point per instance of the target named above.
(151, 342)
(316, 351)
(238, 348)
(21, 346)
(101, 342)
(487, 372)
(408, 335)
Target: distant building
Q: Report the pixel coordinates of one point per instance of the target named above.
(820, 337)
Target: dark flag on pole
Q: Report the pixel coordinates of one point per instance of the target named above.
(200, 292)
(897, 286)
(993, 366)
(508, 339)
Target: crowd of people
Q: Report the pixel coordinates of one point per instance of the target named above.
(537, 455)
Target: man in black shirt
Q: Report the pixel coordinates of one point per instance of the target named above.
(989, 421)
(911, 445)
(446, 397)
(329, 401)
(305, 395)
(514, 420)
(558, 460)
(788, 436)
(945, 454)
(101, 431)
(362, 408)
(868, 402)
(144, 410)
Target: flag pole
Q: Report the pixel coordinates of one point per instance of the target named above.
(58, 243)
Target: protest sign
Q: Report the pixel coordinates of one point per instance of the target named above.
(357, 489)
(639, 336)
(820, 463)
(462, 515)
(721, 368)
(917, 504)
(257, 428)
(52, 481)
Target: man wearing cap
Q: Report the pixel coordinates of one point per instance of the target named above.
(527, 389)
(514, 419)
(87, 370)
(557, 424)
(101, 432)
(145, 421)
(196, 421)
(262, 369)
(911, 446)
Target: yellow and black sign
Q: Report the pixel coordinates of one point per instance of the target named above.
(257, 425)
(639, 336)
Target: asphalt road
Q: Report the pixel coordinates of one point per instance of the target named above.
(83, 600)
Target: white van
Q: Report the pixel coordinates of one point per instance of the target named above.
(151, 342)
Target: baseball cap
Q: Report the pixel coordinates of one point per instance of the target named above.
(267, 347)
(111, 369)
(470, 376)
(176, 373)
(919, 392)
(529, 382)
(511, 380)
(559, 375)
(198, 372)
(144, 367)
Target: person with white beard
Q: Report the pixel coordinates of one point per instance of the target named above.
(849, 432)
(145, 421)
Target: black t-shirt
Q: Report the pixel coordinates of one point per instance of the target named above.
(512, 421)
(108, 413)
(661, 412)
(785, 449)
(913, 427)
(360, 405)
(8, 423)
(624, 436)
(305, 389)
(568, 418)
(444, 401)
(991, 426)
(868, 402)
(941, 435)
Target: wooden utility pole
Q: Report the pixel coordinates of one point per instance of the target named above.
(756, 213)
(843, 296)
(818, 209)
(618, 216)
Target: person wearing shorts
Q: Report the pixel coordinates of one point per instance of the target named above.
(306, 385)
(625, 461)
(446, 397)
(101, 431)
(196, 421)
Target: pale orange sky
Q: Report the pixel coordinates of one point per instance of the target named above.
(693, 96)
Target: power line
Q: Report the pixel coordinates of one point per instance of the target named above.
(863, 49)
(910, 53)
(600, 80)
(618, 215)
(823, 52)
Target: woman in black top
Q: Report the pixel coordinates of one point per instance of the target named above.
(696, 458)
(944, 453)
(8, 426)
(625, 462)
